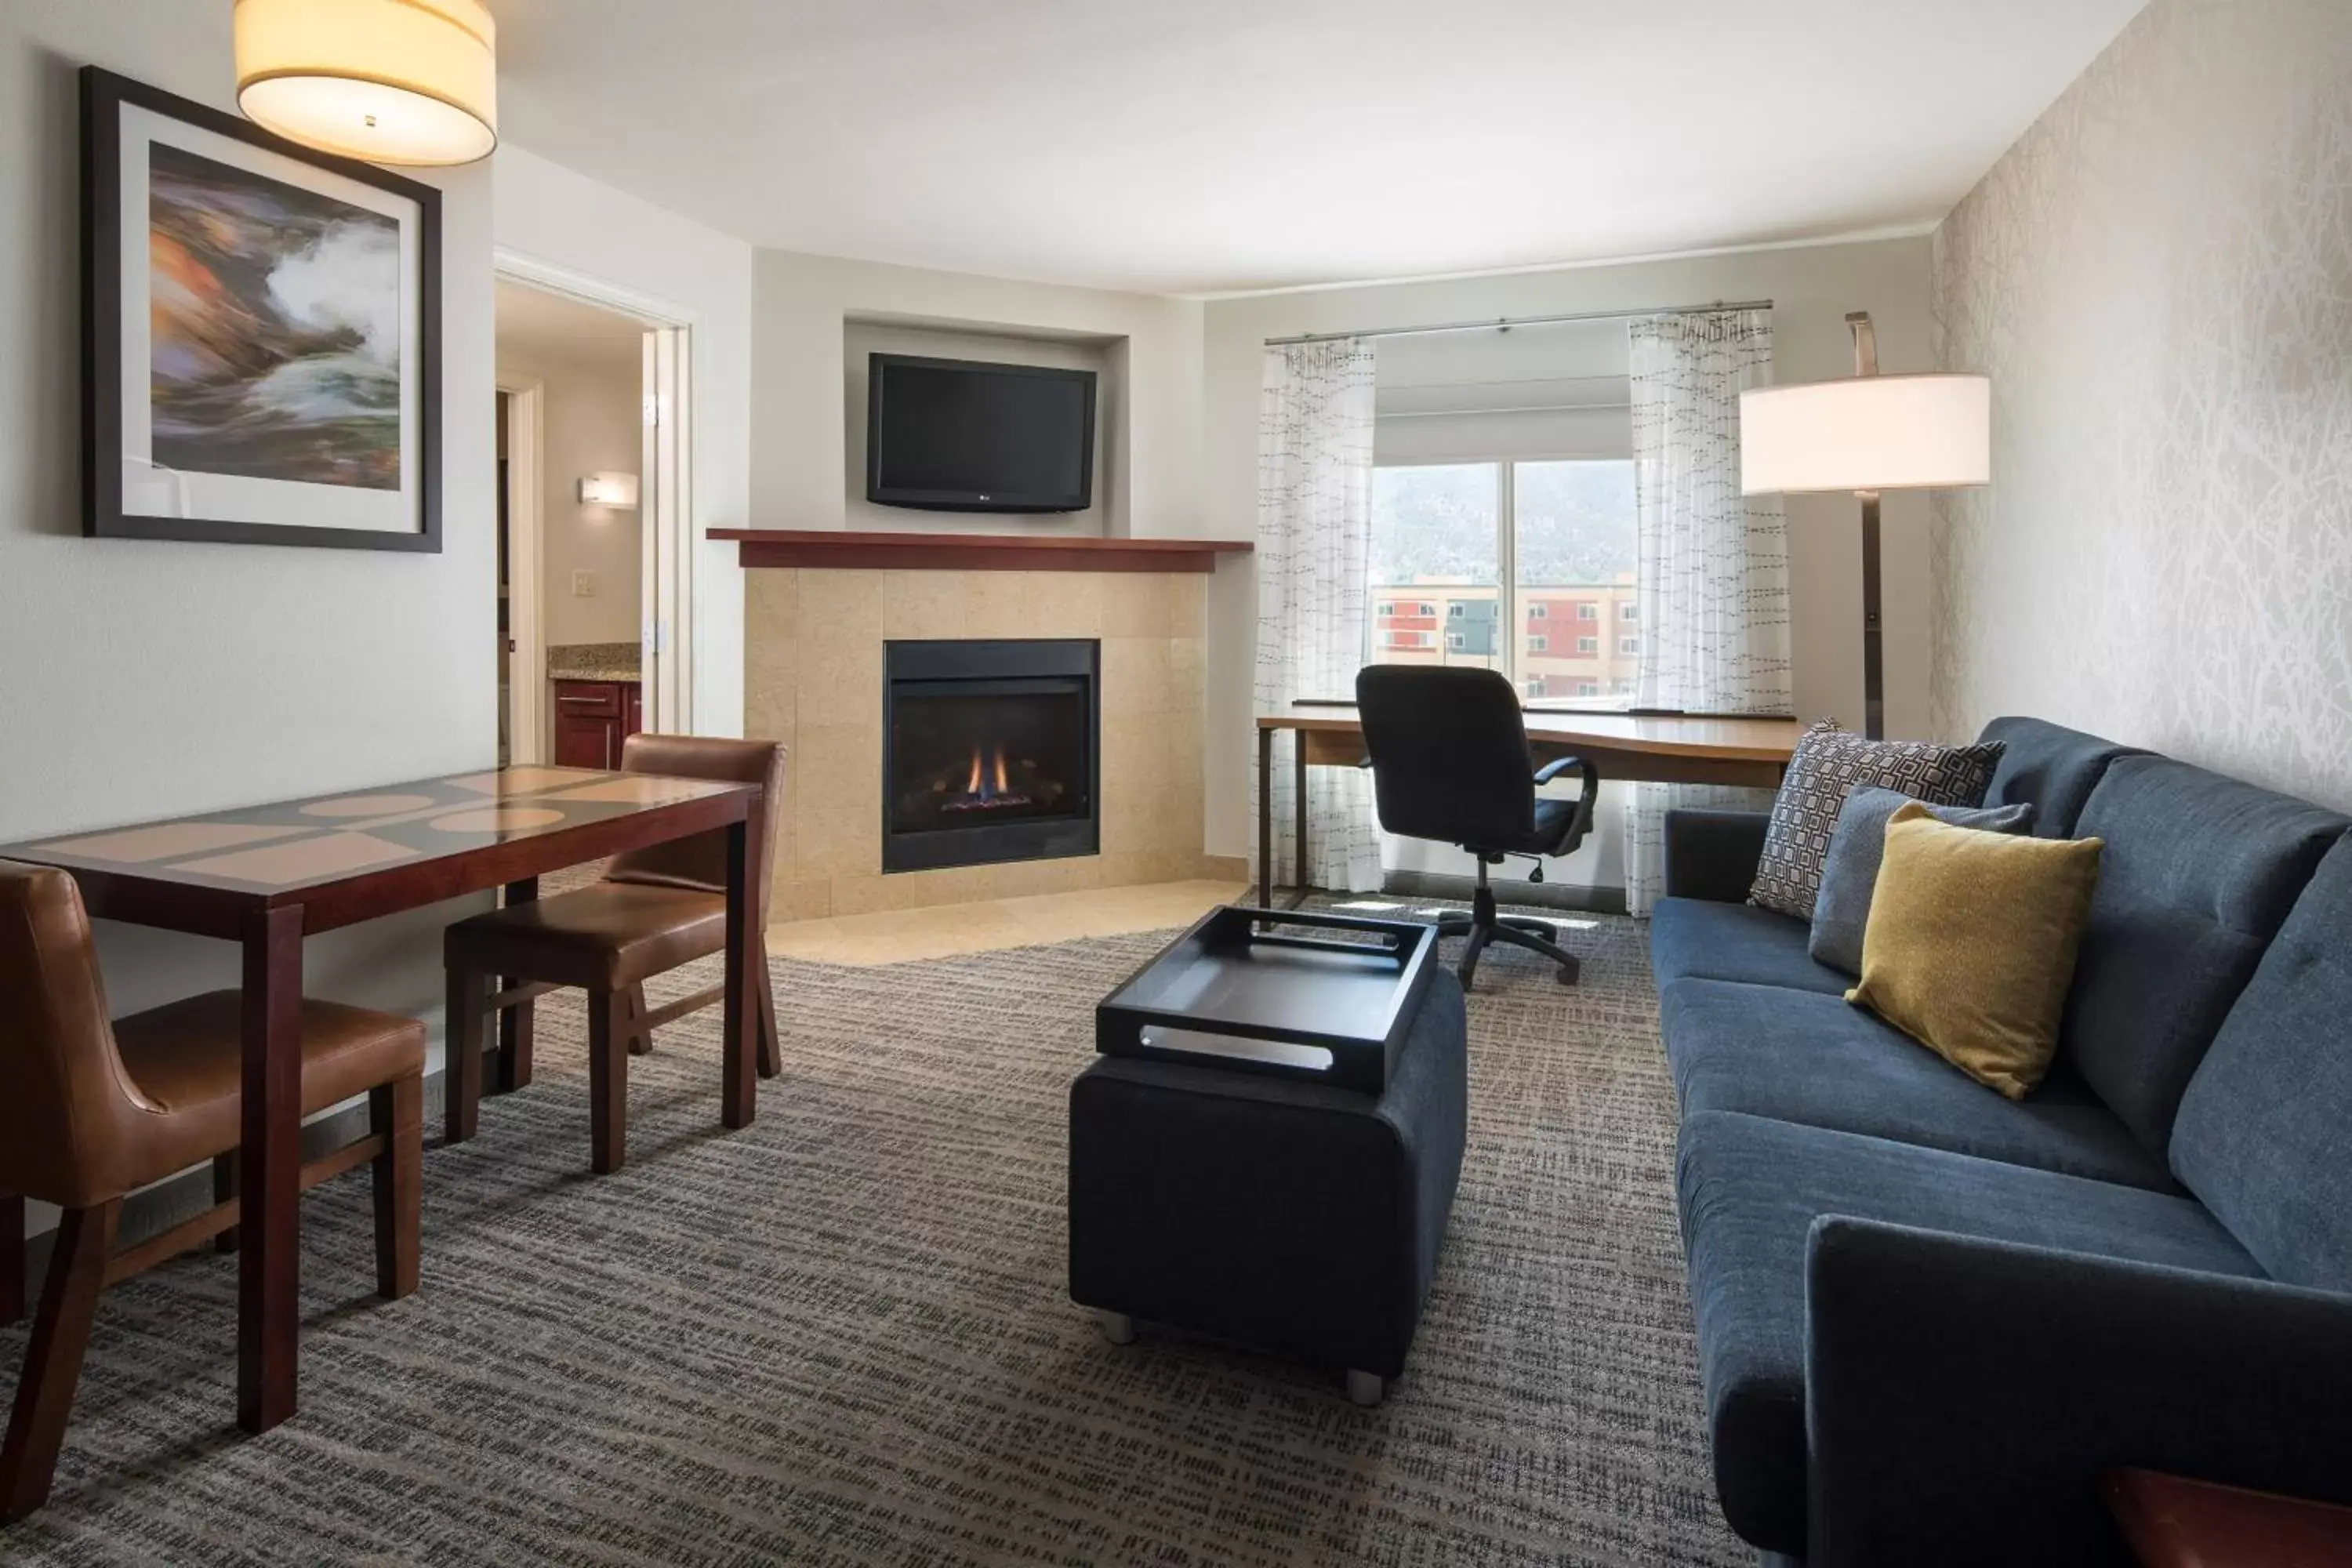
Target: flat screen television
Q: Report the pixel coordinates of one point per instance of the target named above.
(951, 434)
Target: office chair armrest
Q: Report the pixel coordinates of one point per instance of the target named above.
(1559, 765)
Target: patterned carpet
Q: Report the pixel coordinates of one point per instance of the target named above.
(842, 1337)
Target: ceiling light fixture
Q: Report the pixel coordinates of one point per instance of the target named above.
(389, 81)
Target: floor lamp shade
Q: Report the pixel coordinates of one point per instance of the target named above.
(1869, 433)
(388, 81)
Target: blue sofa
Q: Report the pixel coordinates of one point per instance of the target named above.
(1930, 1319)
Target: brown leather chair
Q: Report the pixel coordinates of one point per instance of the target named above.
(91, 1110)
(655, 909)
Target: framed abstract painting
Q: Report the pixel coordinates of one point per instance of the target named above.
(260, 333)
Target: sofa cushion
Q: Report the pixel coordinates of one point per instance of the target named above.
(2265, 1130)
(1858, 848)
(1751, 1189)
(2199, 873)
(1697, 937)
(2050, 766)
(1815, 1060)
(1830, 763)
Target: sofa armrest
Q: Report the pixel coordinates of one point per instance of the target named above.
(1713, 853)
(1964, 1398)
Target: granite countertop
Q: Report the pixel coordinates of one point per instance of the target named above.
(593, 661)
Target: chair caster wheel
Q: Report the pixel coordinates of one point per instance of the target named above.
(1117, 1326)
(1364, 1388)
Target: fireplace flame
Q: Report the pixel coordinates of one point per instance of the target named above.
(988, 783)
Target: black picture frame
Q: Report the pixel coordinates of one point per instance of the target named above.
(104, 96)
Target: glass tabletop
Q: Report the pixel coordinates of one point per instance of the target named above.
(325, 838)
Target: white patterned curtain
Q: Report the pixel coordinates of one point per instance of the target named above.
(1714, 579)
(1313, 540)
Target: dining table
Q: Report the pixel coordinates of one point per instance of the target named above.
(265, 877)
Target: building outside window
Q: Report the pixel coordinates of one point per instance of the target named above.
(1629, 611)
(1494, 543)
(1628, 646)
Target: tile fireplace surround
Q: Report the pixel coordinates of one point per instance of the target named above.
(813, 677)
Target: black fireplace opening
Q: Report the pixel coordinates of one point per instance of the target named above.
(989, 751)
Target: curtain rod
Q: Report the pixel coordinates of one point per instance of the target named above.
(1505, 324)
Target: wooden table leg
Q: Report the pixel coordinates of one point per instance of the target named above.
(1265, 819)
(746, 946)
(1298, 802)
(515, 1023)
(269, 1176)
(12, 1258)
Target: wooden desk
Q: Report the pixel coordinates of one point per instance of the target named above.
(266, 877)
(1673, 749)
(2176, 1523)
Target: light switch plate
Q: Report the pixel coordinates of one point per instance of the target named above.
(584, 584)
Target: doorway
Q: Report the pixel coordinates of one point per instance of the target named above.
(593, 491)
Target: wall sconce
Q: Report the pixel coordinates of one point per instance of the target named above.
(619, 490)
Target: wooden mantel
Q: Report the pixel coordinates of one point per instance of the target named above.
(975, 552)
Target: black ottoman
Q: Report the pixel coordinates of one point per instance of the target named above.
(1291, 1218)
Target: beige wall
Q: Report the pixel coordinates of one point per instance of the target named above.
(548, 215)
(1811, 289)
(1150, 481)
(591, 422)
(2158, 278)
(813, 674)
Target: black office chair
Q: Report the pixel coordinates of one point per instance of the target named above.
(1450, 761)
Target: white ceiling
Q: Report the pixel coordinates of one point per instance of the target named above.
(1198, 146)
(537, 324)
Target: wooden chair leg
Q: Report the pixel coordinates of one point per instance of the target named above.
(12, 1258)
(608, 1080)
(37, 1427)
(515, 1032)
(772, 1049)
(396, 1114)
(641, 1039)
(224, 1189)
(461, 1073)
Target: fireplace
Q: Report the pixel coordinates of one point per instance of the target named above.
(989, 751)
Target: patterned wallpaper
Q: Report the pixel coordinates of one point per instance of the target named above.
(2158, 279)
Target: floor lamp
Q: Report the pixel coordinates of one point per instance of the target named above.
(1871, 434)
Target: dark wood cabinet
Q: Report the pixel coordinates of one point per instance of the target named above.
(593, 718)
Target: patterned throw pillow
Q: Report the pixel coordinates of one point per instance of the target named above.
(1830, 764)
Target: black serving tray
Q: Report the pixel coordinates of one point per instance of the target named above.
(1236, 992)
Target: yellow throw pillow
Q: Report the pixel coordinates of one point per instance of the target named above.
(1971, 942)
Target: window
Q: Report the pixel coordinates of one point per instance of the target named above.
(1385, 608)
(1629, 611)
(1495, 543)
(1622, 687)
(1535, 685)
(1629, 645)
(1587, 689)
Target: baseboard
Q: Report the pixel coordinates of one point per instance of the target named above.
(1225, 868)
(1577, 896)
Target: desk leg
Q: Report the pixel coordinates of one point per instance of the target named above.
(1298, 801)
(1265, 819)
(746, 946)
(515, 1028)
(269, 1163)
